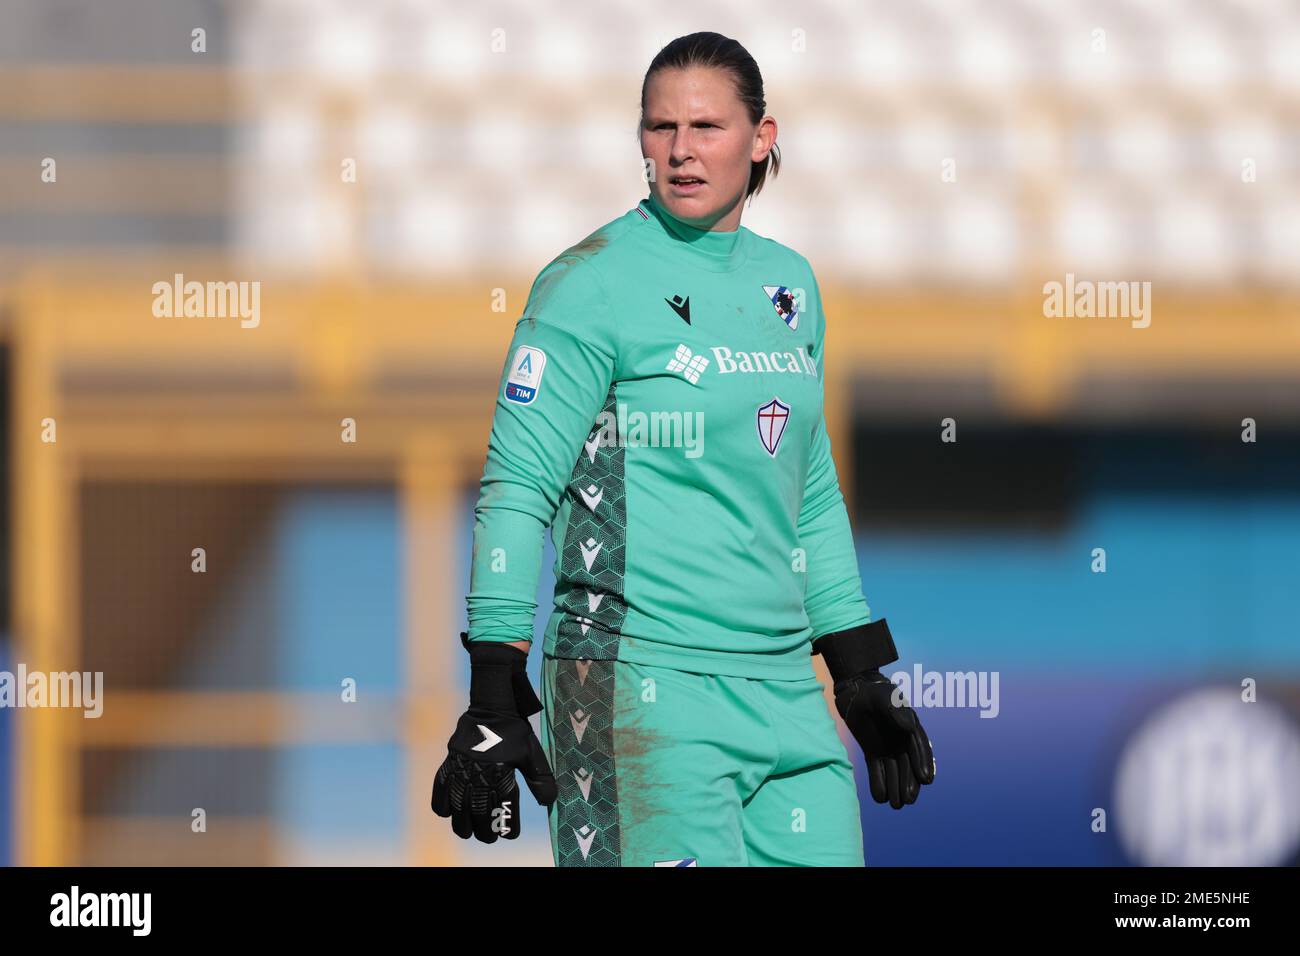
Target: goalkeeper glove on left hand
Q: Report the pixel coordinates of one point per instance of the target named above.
(897, 750)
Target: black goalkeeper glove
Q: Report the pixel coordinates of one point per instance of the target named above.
(476, 785)
(895, 745)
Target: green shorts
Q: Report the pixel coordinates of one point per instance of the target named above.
(661, 767)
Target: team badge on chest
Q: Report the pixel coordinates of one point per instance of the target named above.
(782, 300)
(771, 420)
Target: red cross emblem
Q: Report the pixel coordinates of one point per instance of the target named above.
(772, 418)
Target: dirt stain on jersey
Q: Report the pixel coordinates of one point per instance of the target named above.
(555, 270)
(641, 750)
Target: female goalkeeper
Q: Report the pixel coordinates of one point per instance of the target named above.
(661, 410)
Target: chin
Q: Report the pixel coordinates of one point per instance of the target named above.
(684, 206)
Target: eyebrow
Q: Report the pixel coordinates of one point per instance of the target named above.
(657, 120)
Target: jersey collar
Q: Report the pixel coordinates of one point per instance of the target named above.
(718, 251)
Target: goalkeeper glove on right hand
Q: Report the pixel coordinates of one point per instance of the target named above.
(476, 785)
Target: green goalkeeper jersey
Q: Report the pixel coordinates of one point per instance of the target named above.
(661, 410)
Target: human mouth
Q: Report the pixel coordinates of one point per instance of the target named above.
(686, 184)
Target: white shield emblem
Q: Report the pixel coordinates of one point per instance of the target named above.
(771, 424)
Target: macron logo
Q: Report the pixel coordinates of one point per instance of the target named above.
(589, 552)
(579, 720)
(583, 776)
(585, 836)
(591, 496)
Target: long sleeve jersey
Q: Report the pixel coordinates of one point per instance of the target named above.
(660, 409)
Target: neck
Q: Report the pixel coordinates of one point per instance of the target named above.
(727, 221)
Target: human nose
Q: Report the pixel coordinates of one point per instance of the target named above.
(683, 145)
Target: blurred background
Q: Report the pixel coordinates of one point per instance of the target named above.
(393, 175)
